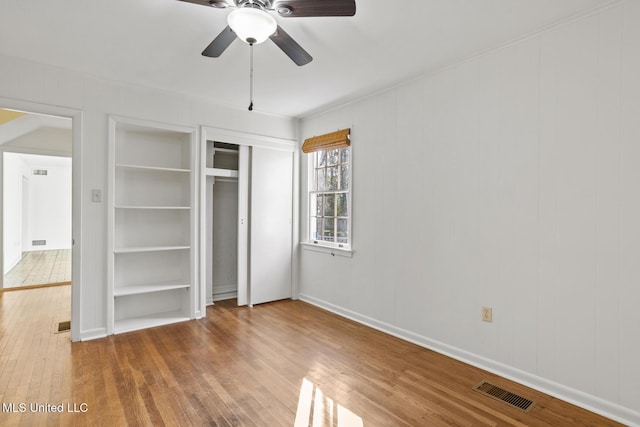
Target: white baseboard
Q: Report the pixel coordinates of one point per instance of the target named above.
(223, 289)
(92, 334)
(224, 296)
(579, 398)
(223, 292)
(11, 264)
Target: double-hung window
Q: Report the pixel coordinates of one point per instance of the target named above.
(330, 196)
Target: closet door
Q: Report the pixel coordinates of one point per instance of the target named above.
(271, 219)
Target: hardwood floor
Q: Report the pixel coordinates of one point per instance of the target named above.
(280, 364)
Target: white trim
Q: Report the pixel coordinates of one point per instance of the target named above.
(245, 138)
(93, 334)
(317, 247)
(334, 246)
(201, 185)
(223, 292)
(225, 289)
(111, 203)
(125, 122)
(223, 297)
(295, 231)
(579, 398)
(244, 176)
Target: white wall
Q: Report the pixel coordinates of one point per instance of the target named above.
(14, 168)
(511, 181)
(224, 261)
(49, 202)
(23, 81)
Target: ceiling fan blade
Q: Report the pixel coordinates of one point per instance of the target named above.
(290, 47)
(302, 8)
(212, 3)
(220, 43)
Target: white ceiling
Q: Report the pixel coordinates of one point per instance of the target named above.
(37, 161)
(157, 43)
(30, 123)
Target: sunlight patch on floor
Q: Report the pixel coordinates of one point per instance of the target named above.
(317, 410)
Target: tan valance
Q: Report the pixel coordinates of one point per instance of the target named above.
(338, 139)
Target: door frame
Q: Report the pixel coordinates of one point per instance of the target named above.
(76, 194)
(246, 140)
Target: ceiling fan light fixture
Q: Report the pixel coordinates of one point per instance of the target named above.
(284, 10)
(252, 25)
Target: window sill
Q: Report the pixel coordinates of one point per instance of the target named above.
(348, 253)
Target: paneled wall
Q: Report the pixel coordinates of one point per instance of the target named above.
(510, 180)
(37, 87)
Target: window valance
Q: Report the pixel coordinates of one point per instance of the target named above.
(338, 139)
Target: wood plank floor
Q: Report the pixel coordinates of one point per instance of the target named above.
(280, 364)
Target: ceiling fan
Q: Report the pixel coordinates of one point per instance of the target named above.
(251, 22)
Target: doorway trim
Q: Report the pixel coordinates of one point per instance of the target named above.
(76, 195)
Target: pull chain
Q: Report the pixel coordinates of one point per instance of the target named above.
(251, 78)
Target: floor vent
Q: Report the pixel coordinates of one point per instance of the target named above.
(64, 326)
(504, 395)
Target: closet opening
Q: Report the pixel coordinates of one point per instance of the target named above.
(221, 239)
(247, 208)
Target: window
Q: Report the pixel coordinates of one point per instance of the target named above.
(330, 197)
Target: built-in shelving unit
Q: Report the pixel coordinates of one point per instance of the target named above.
(151, 225)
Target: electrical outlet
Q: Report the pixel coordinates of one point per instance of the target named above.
(487, 314)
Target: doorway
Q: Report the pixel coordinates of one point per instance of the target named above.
(36, 219)
(43, 141)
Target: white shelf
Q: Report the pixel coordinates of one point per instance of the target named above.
(148, 321)
(225, 150)
(224, 173)
(139, 249)
(151, 168)
(147, 288)
(133, 207)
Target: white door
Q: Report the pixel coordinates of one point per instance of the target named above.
(270, 225)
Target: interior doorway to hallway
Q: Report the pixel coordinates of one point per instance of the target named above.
(37, 220)
(21, 134)
(36, 199)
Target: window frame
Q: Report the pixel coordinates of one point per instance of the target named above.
(313, 192)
